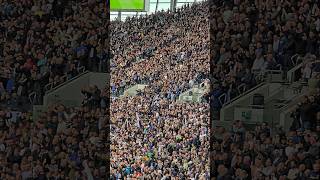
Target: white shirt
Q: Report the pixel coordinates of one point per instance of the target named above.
(2, 147)
(258, 64)
(307, 72)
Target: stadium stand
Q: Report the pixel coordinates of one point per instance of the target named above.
(250, 38)
(266, 86)
(264, 65)
(43, 44)
(48, 42)
(153, 135)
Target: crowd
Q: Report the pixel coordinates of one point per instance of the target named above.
(310, 68)
(307, 113)
(250, 37)
(166, 50)
(44, 42)
(70, 143)
(154, 136)
(160, 138)
(63, 143)
(95, 98)
(264, 153)
(48, 41)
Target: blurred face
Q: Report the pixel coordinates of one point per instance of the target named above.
(269, 57)
(268, 162)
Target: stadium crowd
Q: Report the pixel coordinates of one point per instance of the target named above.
(171, 59)
(64, 143)
(43, 42)
(250, 37)
(153, 136)
(264, 153)
(48, 41)
(160, 138)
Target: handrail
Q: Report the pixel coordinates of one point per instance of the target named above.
(280, 67)
(32, 97)
(81, 69)
(290, 106)
(65, 78)
(286, 108)
(48, 86)
(245, 93)
(293, 59)
(291, 72)
(64, 83)
(243, 87)
(222, 96)
(258, 76)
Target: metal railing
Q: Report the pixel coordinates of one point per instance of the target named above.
(34, 95)
(242, 92)
(65, 78)
(296, 60)
(261, 76)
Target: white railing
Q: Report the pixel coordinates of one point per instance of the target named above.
(50, 86)
(296, 59)
(32, 97)
(65, 78)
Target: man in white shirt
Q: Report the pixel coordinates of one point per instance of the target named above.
(258, 63)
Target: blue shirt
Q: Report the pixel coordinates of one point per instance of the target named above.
(10, 85)
(215, 95)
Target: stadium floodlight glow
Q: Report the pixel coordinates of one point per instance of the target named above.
(129, 5)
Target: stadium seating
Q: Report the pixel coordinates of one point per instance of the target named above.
(271, 48)
(153, 134)
(43, 44)
(261, 59)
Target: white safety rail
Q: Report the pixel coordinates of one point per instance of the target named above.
(34, 96)
(65, 78)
